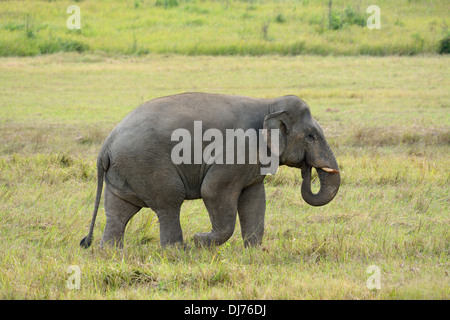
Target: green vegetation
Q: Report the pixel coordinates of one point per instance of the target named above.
(231, 27)
(444, 44)
(386, 118)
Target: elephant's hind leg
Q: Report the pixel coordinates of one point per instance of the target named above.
(118, 213)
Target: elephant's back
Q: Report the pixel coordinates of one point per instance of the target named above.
(161, 116)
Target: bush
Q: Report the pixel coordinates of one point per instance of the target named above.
(335, 21)
(444, 45)
(57, 45)
(280, 18)
(350, 17)
(166, 3)
(353, 17)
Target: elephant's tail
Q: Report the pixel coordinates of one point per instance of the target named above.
(102, 166)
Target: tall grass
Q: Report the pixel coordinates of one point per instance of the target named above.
(194, 27)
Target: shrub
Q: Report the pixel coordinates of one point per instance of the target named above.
(166, 3)
(334, 21)
(56, 45)
(349, 16)
(353, 17)
(280, 18)
(444, 45)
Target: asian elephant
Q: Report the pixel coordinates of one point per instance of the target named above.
(137, 164)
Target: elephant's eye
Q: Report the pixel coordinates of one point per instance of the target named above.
(309, 138)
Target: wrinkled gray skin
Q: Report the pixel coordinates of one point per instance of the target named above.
(135, 162)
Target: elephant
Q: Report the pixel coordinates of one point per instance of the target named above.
(136, 164)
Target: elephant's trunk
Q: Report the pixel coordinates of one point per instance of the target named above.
(329, 184)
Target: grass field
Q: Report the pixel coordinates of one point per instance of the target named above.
(387, 120)
(229, 27)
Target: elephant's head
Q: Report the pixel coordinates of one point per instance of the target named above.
(302, 144)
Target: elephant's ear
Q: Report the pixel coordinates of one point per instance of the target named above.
(277, 120)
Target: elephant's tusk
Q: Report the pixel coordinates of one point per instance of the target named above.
(329, 170)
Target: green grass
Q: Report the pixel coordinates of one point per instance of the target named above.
(253, 27)
(387, 120)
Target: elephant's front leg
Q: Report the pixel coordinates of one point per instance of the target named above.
(221, 202)
(252, 208)
(222, 213)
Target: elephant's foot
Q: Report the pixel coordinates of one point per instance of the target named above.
(210, 239)
(172, 242)
(202, 239)
(252, 241)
